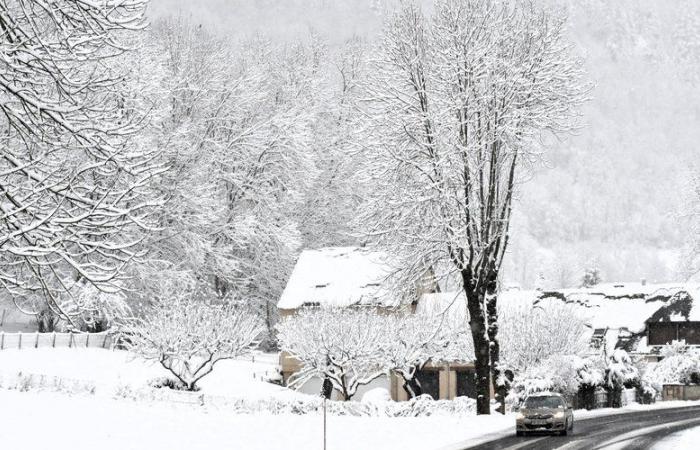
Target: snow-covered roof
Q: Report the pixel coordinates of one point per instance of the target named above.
(453, 303)
(338, 276)
(623, 305)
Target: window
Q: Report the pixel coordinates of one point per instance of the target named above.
(544, 402)
(429, 381)
(466, 383)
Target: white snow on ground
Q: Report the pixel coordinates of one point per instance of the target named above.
(109, 370)
(110, 422)
(686, 439)
(56, 421)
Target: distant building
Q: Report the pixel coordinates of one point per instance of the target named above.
(640, 318)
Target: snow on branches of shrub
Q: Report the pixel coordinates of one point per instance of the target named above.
(558, 373)
(188, 335)
(621, 371)
(680, 365)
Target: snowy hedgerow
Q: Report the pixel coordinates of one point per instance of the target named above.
(343, 345)
(188, 335)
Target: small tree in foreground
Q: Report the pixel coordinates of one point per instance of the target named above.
(343, 345)
(188, 337)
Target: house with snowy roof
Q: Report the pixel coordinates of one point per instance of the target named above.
(640, 318)
(359, 277)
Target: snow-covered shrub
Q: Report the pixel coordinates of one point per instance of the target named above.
(620, 373)
(590, 373)
(343, 345)
(376, 395)
(165, 382)
(679, 366)
(559, 373)
(188, 336)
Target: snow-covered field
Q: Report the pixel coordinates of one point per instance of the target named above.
(111, 421)
(33, 420)
(111, 370)
(104, 418)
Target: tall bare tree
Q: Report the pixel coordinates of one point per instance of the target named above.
(71, 185)
(455, 106)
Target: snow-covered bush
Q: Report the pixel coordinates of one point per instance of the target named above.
(188, 336)
(559, 373)
(376, 395)
(620, 373)
(680, 365)
(343, 345)
(591, 377)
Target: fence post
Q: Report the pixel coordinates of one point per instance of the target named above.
(87, 341)
(2, 340)
(53, 341)
(2, 319)
(104, 341)
(70, 339)
(36, 340)
(19, 342)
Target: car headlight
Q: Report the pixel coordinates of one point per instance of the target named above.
(559, 415)
(519, 416)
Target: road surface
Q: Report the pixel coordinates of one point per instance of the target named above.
(636, 430)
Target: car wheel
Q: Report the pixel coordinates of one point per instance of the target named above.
(571, 428)
(565, 431)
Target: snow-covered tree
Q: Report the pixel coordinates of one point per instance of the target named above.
(234, 123)
(73, 186)
(343, 345)
(591, 277)
(410, 340)
(531, 333)
(188, 334)
(455, 104)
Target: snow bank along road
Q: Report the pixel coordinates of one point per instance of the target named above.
(636, 430)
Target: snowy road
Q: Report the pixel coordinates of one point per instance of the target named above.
(638, 430)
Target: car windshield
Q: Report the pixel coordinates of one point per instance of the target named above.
(543, 402)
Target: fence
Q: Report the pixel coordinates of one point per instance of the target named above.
(46, 340)
(680, 392)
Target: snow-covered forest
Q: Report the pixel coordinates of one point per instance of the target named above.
(611, 196)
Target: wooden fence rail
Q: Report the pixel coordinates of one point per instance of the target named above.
(44, 340)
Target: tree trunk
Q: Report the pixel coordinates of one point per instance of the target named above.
(482, 356)
(412, 387)
(499, 384)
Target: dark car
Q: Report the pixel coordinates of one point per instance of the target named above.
(547, 413)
